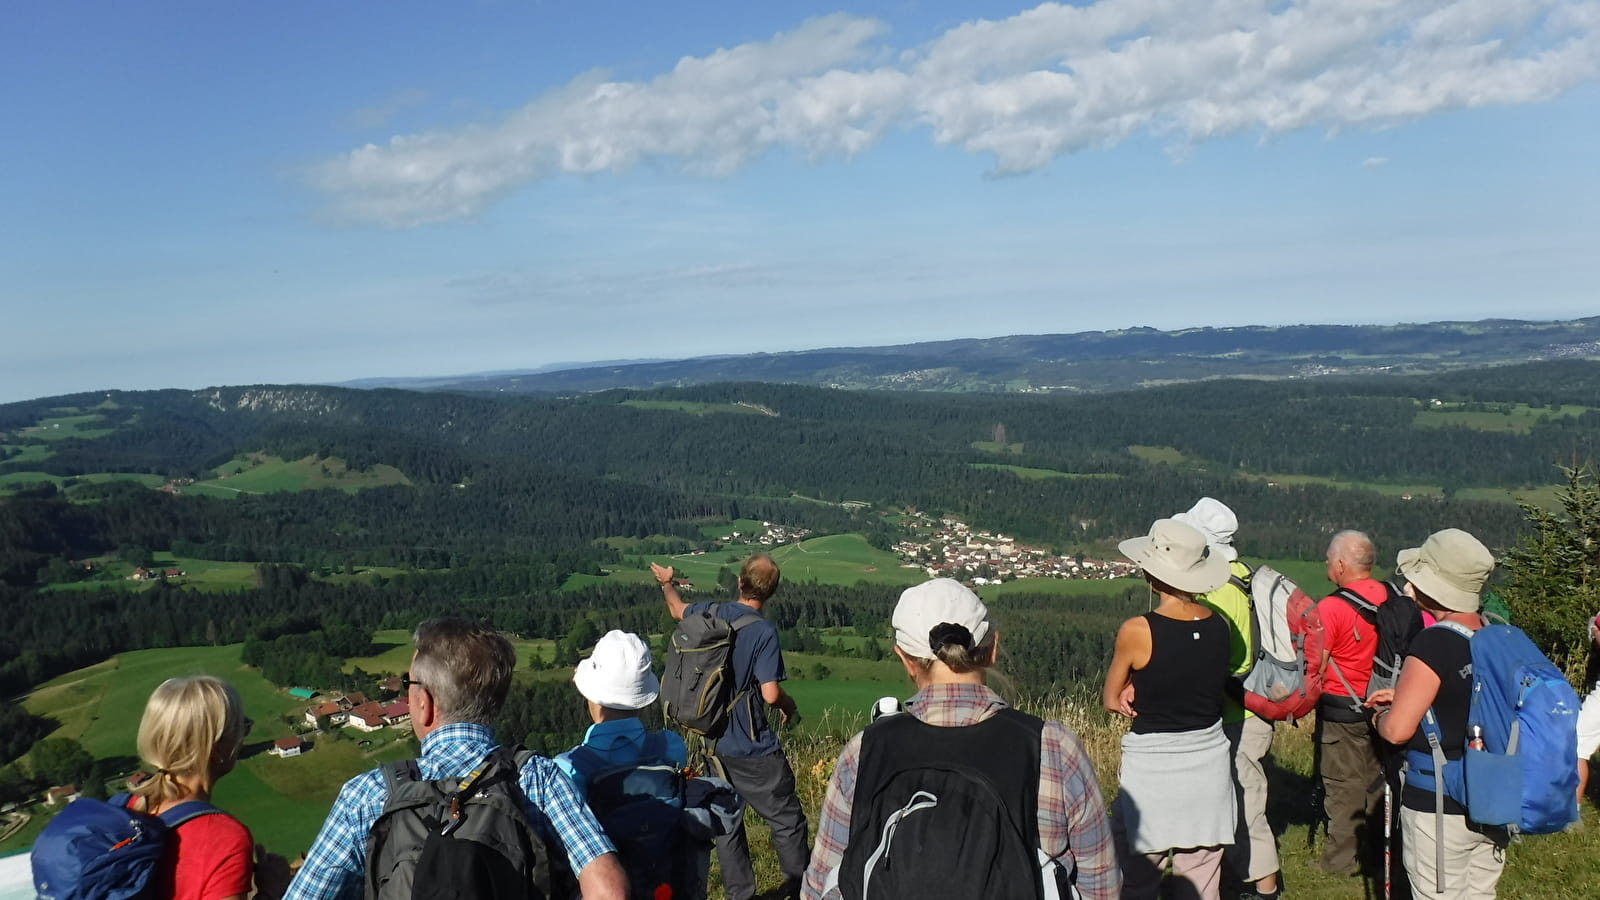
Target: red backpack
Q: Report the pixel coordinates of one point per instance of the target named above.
(1285, 679)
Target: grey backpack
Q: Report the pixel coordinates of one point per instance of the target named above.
(697, 690)
(456, 838)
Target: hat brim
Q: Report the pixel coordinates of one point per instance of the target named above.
(1410, 564)
(1211, 574)
(594, 690)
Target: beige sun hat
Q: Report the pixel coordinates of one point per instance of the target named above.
(1451, 567)
(1179, 555)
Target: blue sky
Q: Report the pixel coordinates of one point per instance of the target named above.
(213, 193)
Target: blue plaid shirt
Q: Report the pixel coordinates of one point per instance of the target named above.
(336, 865)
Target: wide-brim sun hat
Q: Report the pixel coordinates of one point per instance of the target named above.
(618, 674)
(1216, 521)
(1451, 567)
(932, 603)
(1178, 555)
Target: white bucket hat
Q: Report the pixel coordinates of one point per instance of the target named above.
(1451, 567)
(617, 675)
(933, 603)
(1216, 521)
(1179, 555)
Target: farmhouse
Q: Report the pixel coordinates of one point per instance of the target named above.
(66, 793)
(286, 747)
(366, 717)
(397, 713)
(324, 714)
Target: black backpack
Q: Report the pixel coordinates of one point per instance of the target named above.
(455, 839)
(948, 813)
(697, 690)
(1397, 620)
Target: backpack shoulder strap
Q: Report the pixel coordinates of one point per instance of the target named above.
(1242, 583)
(745, 620)
(1357, 602)
(185, 812)
(655, 746)
(1457, 627)
(397, 774)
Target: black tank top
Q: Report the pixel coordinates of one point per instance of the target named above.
(1181, 687)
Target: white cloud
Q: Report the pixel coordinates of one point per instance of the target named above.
(1374, 162)
(1025, 90)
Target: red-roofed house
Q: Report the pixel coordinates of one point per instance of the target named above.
(366, 717)
(324, 714)
(66, 793)
(354, 700)
(286, 747)
(397, 713)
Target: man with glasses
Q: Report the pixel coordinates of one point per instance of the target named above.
(459, 677)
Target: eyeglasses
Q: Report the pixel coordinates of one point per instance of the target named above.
(406, 682)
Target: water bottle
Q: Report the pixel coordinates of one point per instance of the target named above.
(1476, 741)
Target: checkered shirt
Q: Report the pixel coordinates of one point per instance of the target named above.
(1072, 815)
(336, 866)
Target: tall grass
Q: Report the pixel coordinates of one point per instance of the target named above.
(1551, 867)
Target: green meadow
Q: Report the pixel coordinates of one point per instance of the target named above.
(1516, 418)
(61, 428)
(100, 706)
(1008, 448)
(699, 409)
(834, 559)
(259, 473)
(394, 653)
(1166, 455)
(1036, 474)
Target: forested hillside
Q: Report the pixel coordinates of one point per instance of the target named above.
(510, 496)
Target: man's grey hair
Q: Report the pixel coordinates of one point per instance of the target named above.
(1355, 548)
(466, 666)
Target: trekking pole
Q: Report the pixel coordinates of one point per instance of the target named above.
(1388, 836)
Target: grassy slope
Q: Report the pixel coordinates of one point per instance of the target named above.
(261, 474)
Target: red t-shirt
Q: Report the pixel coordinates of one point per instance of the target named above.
(213, 857)
(1351, 642)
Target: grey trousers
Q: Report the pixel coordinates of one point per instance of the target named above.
(767, 785)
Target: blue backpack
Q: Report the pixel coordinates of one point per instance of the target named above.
(101, 850)
(1524, 777)
(641, 807)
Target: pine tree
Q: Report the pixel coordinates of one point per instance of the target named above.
(1553, 576)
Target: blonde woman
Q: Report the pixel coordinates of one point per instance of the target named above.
(1175, 794)
(189, 737)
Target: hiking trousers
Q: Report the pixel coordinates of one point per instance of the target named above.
(1352, 783)
(1254, 854)
(767, 785)
(1473, 860)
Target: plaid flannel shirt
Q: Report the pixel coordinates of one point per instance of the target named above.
(1072, 815)
(336, 866)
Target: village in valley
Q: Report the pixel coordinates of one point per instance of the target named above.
(953, 549)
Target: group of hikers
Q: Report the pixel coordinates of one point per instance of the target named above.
(952, 794)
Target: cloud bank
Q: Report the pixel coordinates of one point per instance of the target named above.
(1023, 91)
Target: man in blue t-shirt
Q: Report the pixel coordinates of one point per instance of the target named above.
(748, 751)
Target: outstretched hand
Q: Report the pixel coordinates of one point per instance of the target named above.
(664, 574)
